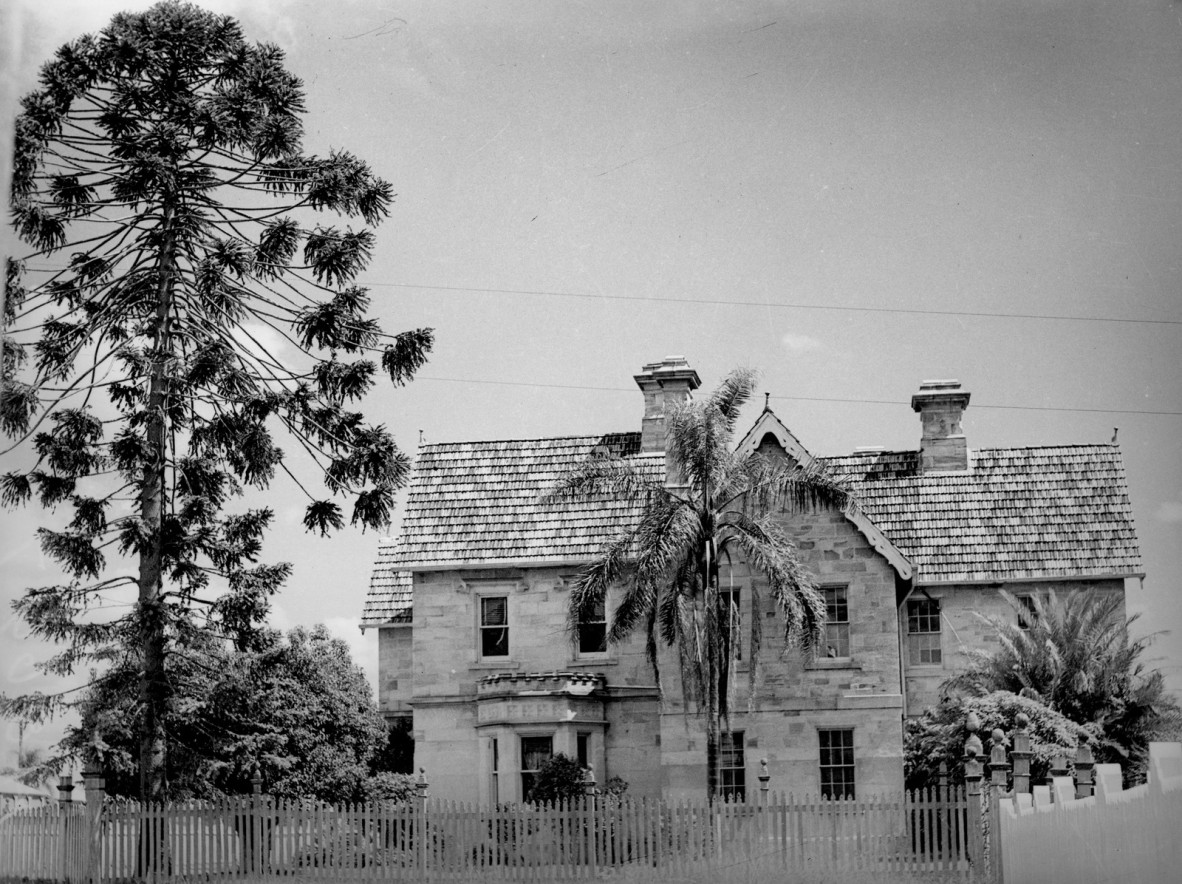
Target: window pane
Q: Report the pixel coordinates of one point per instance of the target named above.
(535, 751)
(494, 611)
(837, 763)
(732, 767)
(923, 628)
(494, 626)
(837, 625)
(593, 629)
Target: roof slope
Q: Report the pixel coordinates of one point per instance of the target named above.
(477, 503)
(1015, 514)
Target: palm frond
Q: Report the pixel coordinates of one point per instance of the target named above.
(603, 476)
(591, 586)
(783, 486)
(732, 394)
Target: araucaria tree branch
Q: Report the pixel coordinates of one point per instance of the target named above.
(172, 220)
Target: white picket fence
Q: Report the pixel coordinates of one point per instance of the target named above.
(1129, 835)
(263, 839)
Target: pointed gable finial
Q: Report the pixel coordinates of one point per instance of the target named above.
(766, 400)
(1115, 431)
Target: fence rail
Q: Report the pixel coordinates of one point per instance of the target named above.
(261, 838)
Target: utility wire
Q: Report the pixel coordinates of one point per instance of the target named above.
(778, 305)
(803, 398)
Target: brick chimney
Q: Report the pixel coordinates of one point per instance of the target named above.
(941, 405)
(665, 384)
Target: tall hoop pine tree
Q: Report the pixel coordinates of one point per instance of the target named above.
(171, 213)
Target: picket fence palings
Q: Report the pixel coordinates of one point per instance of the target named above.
(265, 837)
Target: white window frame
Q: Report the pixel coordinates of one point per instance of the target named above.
(481, 597)
(827, 763)
(920, 642)
(840, 627)
(594, 655)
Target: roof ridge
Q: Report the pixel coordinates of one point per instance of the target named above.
(531, 439)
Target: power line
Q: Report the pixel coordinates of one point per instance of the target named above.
(804, 398)
(778, 305)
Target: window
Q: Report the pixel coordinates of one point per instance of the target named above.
(494, 626)
(496, 771)
(923, 632)
(1026, 611)
(729, 613)
(837, 621)
(583, 750)
(732, 767)
(593, 628)
(837, 763)
(535, 751)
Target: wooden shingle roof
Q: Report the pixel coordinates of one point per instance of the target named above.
(473, 504)
(1016, 514)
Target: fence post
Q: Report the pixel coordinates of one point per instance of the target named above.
(1084, 764)
(96, 793)
(972, 779)
(1020, 752)
(1058, 769)
(421, 827)
(65, 785)
(256, 821)
(764, 777)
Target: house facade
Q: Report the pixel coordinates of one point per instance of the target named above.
(470, 604)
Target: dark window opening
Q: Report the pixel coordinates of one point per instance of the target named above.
(494, 626)
(593, 629)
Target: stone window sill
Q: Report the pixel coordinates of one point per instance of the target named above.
(593, 662)
(494, 664)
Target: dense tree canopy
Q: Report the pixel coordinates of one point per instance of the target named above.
(668, 564)
(181, 305)
(295, 709)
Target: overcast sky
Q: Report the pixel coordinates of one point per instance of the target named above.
(849, 196)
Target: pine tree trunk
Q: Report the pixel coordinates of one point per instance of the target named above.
(153, 637)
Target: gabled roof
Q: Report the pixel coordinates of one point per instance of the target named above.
(1016, 513)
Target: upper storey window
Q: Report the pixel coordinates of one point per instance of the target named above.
(593, 629)
(494, 626)
(837, 621)
(923, 632)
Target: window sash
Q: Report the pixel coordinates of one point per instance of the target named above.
(730, 607)
(593, 629)
(535, 751)
(923, 632)
(837, 621)
(1026, 611)
(732, 767)
(837, 762)
(494, 626)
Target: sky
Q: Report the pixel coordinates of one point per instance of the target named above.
(850, 197)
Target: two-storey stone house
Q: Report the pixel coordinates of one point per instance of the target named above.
(470, 604)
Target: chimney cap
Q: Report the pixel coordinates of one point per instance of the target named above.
(671, 368)
(939, 392)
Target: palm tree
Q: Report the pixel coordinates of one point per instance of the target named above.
(714, 507)
(1074, 654)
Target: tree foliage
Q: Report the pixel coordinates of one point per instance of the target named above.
(1075, 656)
(669, 562)
(939, 734)
(295, 710)
(182, 308)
